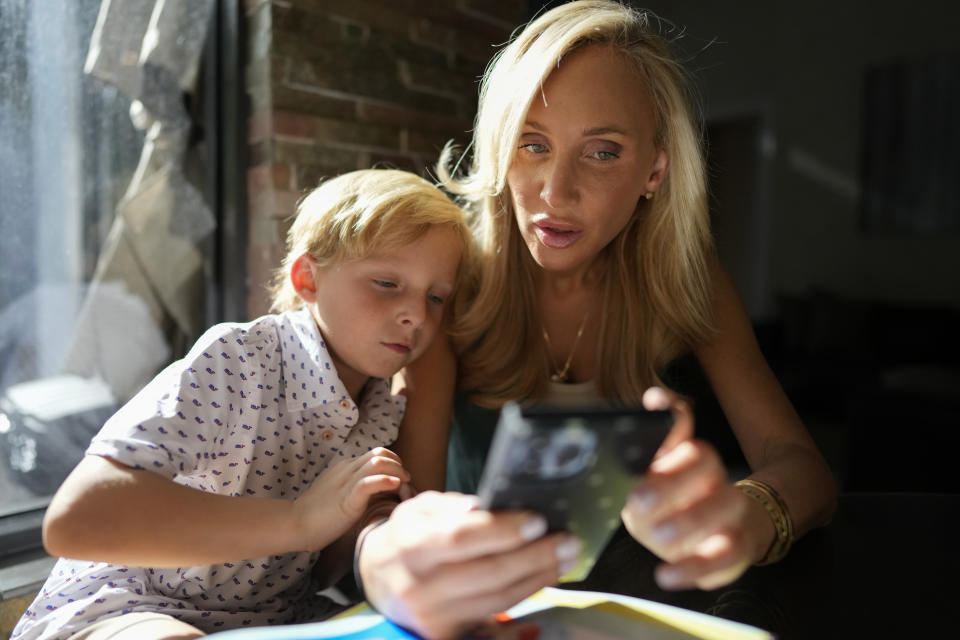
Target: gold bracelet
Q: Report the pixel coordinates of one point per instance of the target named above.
(774, 505)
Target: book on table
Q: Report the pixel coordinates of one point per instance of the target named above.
(549, 614)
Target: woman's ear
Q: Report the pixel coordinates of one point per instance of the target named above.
(303, 278)
(659, 171)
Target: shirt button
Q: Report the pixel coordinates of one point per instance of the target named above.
(344, 404)
(327, 435)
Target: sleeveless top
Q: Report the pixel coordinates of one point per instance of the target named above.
(472, 427)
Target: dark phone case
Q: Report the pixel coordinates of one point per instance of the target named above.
(574, 465)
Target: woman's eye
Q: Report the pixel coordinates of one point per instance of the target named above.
(436, 299)
(386, 284)
(604, 155)
(534, 147)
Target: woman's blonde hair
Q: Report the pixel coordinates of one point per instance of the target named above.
(657, 297)
(357, 213)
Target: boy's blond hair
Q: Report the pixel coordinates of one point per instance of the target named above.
(357, 213)
(657, 295)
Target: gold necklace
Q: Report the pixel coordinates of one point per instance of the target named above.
(560, 375)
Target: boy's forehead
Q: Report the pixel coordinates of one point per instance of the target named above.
(431, 250)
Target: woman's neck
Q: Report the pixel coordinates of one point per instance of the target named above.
(567, 285)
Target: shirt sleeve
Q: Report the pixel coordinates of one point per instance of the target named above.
(174, 425)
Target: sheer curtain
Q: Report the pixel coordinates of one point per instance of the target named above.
(102, 224)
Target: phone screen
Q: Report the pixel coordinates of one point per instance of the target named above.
(574, 465)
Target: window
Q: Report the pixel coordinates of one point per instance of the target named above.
(112, 195)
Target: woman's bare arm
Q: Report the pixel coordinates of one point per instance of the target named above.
(429, 385)
(774, 441)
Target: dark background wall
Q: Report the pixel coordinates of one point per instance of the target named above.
(799, 68)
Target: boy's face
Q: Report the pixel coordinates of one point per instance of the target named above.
(379, 313)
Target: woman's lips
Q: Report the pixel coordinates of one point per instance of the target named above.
(555, 236)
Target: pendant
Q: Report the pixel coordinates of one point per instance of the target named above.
(558, 377)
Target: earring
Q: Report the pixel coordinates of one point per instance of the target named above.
(648, 195)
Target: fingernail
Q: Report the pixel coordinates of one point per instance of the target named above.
(642, 501)
(664, 533)
(567, 566)
(533, 528)
(669, 578)
(656, 398)
(567, 550)
(469, 502)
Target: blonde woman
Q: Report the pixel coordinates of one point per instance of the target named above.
(596, 269)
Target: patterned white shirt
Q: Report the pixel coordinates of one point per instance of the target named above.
(254, 409)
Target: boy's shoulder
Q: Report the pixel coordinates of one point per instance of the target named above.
(230, 336)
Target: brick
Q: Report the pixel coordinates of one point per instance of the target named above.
(265, 177)
(261, 98)
(434, 80)
(354, 134)
(377, 14)
(430, 33)
(259, 127)
(400, 116)
(428, 143)
(267, 205)
(294, 125)
(406, 162)
(264, 72)
(352, 72)
(260, 153)
(327, 157)
(313, 103)
(310, 176)
(307, 29)
(503, 14)
(262, 263)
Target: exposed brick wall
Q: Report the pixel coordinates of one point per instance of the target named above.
(337, 85)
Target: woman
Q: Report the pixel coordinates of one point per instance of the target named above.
(596, 270)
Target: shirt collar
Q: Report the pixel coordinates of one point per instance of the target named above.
(311, 380)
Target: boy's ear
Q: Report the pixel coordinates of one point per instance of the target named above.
(303, 278)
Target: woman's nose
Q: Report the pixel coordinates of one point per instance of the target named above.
(559, 183)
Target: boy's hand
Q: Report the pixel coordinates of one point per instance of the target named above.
(339, 496)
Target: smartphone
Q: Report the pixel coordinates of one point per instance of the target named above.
(575, 465)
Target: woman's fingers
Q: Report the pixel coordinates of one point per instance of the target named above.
(685, 512)
(439, 564)
(718, 560)
(683, 476)
(657, 398)
(681, 532)
(445, 528)
(542, 562)
(474, 590)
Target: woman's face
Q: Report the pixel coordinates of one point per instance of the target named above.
(585, 157)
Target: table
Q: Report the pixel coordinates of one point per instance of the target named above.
(886, 566)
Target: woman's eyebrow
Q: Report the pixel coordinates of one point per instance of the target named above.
(599, 131)
(592, 131)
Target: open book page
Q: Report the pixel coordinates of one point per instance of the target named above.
(549, 614)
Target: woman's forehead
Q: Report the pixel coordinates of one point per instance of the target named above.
(598, 87)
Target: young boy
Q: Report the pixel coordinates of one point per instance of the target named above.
(205, 501)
